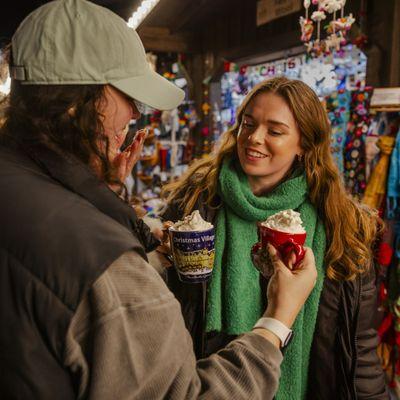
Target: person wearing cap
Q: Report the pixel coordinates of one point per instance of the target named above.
(83, 313)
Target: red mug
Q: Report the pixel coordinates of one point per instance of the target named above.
(284, 242)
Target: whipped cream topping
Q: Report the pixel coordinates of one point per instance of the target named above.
(192, 222)
(288, 221)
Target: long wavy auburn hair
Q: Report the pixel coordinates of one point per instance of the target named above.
(351, 228)
(62, 118)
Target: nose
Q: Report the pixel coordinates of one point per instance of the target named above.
(257, 137)
(135, 112)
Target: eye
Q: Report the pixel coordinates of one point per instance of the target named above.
(247, 124)
(273, 132)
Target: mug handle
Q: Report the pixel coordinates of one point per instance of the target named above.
(298, 250)
(256, 248)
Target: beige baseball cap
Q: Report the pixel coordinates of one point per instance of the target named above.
(69, 42)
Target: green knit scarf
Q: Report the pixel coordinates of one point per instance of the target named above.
(235, 300)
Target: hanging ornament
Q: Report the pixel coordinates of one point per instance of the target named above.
(330, 6)
(336, 29)
(342, 2)
(206, 108)
(333, 42)
(318, 16)
(227, 66)
(307, 28)
(306, 6)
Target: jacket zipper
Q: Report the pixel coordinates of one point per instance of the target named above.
(355, 337)
(203, 327)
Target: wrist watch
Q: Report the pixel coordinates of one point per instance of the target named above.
(277, 328)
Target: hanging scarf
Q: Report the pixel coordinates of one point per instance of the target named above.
(338, 107)
(393, 187)
(376, 188)
(235, 300)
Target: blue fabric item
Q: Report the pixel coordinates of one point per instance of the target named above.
(338, 106)
(393, 185)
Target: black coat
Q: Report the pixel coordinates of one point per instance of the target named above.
(344, 363)
(60, 229)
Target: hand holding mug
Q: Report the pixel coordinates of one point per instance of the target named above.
(288, 290)
(165, 247)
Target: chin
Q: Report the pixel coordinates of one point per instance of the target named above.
(253, 170)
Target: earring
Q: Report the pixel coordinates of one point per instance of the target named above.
(71, 111)
(299, 157)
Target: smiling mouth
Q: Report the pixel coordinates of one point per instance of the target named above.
(255, 154)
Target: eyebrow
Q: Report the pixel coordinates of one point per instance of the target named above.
(271, 121)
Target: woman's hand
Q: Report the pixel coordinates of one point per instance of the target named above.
(163, 237)
(262, 261)
(126, 160)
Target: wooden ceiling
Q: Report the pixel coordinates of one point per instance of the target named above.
(174, 20)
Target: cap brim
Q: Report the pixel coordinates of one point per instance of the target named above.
(151, 89)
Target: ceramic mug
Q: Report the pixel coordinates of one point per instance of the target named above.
(286, 243)
(193, 254)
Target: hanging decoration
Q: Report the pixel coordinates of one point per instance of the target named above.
(357, 129)
(376, 188)
(336, 29)
(337, 106)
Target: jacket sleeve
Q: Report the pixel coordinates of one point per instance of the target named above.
(369, 376)
(149, 241)
(127, 340)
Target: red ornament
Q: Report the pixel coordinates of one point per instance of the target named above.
(385, 325)
(385, 253)
(383, 293)
(205, 131)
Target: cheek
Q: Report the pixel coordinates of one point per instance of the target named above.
(115, 119)
(241, 141)
(289, 146)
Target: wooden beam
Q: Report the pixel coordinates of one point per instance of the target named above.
(153, 31)
(282, 42)
(394, 79)
(160, 39)
(188, 14)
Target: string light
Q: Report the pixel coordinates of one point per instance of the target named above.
(5, 87)
(134, 21)
(141, 13)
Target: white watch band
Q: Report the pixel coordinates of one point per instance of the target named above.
(277, 328)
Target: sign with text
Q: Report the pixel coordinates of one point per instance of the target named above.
(268, 10)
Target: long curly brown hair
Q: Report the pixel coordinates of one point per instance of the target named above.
(62, 118)
(351, 228)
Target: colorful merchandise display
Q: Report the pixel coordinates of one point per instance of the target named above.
(338, 108)
(383, 192)
(169, 146)
(344, 70)
(354, 154)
